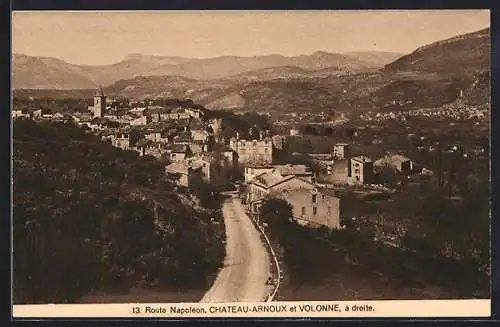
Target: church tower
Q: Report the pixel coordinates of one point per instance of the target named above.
(99, 103)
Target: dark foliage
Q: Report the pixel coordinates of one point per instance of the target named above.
(453, 254)
(88, 216)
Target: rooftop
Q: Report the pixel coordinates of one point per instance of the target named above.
(392, 159)
(270, 179)
(100, 120)
(178, 148)
(361, 159)
(177, 167)
(290, 169)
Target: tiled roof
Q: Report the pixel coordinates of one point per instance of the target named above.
(396, 159)
(362, 159)
(177, 167)
(100, 120)
(270, 179)
(292, 169)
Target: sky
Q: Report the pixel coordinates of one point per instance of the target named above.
(99, 38)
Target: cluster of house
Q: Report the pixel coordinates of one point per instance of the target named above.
(184, 138)
(39, 114)
(455, 111)
(340, 168)
(193, 148)
(311, 205)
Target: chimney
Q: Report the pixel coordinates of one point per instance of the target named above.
(237, 135)
(261, 135)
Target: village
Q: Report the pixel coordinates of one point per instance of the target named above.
(192, 146)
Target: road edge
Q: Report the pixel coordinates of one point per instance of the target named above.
(273, 254)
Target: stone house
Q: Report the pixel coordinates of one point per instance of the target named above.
(19, 114)
(140, 121)
(313, 207)
(361, 170)
(118, 138)
(340, 151)
(253, 152)
(178, 152)
(398, 162)
(251, 171)
(184, 173)
(310, 206)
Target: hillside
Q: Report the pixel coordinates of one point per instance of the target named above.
(221, 67)
(132, 65)
(431, 76)
(76, 203)
(47, 73)
(376, 58)
(458, 55)
(43, 73)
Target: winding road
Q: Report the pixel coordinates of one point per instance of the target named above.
(247, 263)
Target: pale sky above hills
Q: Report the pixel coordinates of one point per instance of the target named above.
(106, 37)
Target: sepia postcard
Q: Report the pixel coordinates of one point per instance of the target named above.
(199, 164)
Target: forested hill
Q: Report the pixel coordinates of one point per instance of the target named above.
(83, 220)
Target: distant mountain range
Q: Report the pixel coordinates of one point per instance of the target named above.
(41, 72)
(432, 75)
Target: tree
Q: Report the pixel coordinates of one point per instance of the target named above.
(205, 192)
(387, 175)
(134, 137)
(71, 189)
(277, 213)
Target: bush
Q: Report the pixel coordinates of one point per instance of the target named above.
(85, 218)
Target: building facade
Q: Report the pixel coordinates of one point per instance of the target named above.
(253, 152)
(361, 170)
(397, 162)
(251, 171)
(99, 108)
(310, 206)
(340, 151)
(184, 173)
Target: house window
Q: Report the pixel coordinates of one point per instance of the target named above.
(303, 211)
(329, 209)
(314, 198)
(314, 210)
(172, 155)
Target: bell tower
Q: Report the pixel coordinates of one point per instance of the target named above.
(99, 103)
